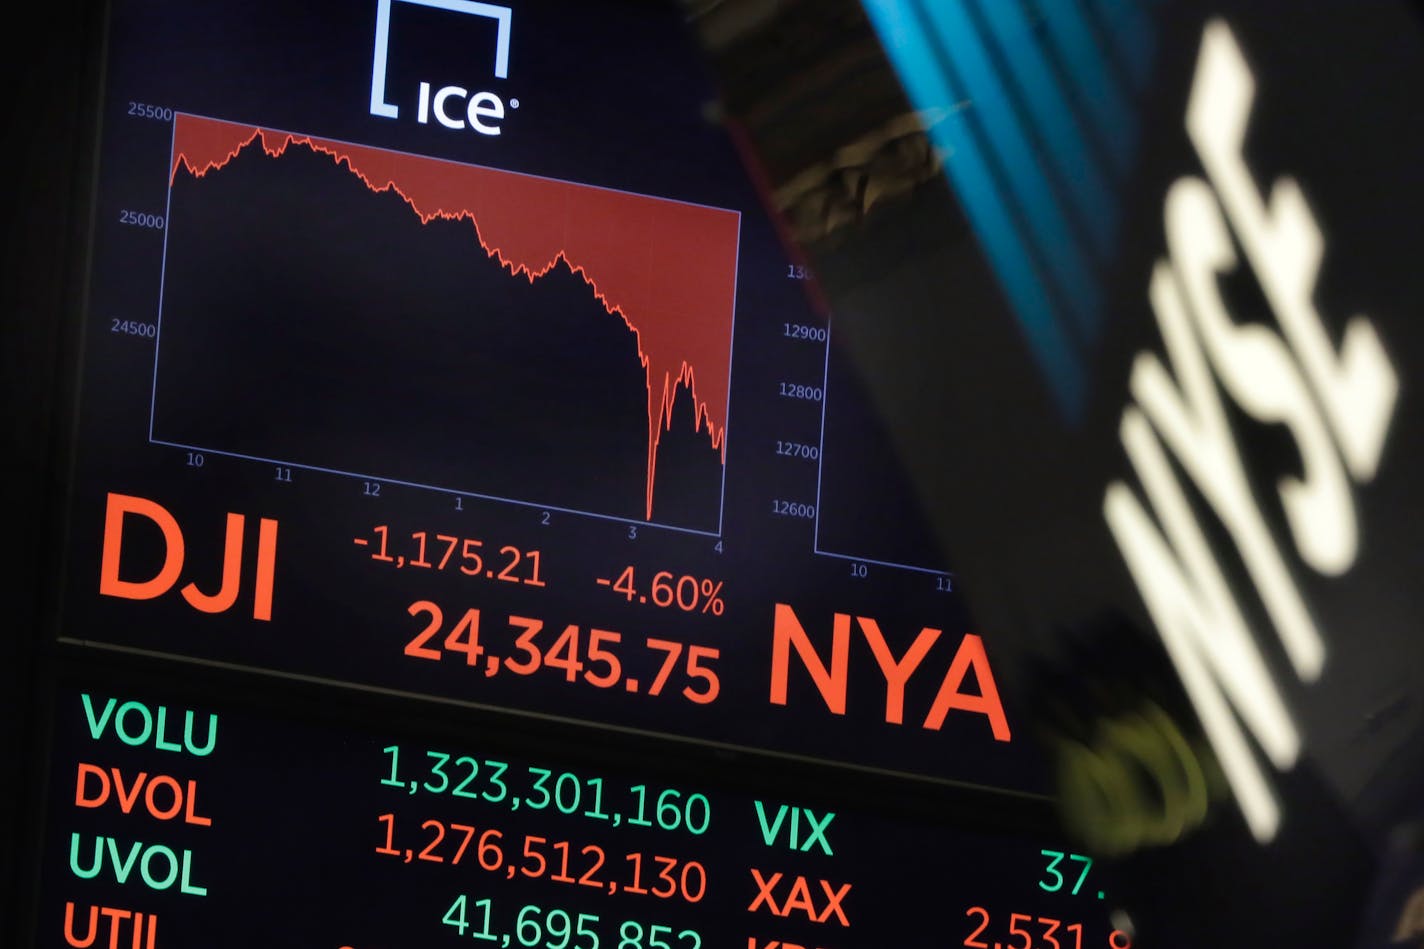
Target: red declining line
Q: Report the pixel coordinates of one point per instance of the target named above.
(667, 269)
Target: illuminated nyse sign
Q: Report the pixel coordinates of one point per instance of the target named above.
(1337, 406)
(482, 110)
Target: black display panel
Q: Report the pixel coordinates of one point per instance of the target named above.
(1165, 269)
(448, 349)
(174, 822)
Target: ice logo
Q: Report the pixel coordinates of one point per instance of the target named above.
(480, 111)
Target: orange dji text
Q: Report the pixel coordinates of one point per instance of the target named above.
(121, 507)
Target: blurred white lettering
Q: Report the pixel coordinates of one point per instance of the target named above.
(1271, 379)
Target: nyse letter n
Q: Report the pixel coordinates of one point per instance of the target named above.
(1201, 626)
(1187, 596)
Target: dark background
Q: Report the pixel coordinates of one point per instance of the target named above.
(1335, 109)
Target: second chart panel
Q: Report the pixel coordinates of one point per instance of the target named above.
(868, 508)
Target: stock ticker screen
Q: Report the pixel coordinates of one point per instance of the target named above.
(444, 351)
(447, 349)
(179, 824)
(611, 475)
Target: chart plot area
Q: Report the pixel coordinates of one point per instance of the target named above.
(373, 312)
(867, 507)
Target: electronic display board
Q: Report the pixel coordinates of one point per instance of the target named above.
(178, 823)
(442, 354)
(447, 348)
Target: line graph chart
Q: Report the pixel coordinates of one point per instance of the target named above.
(453, 326)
